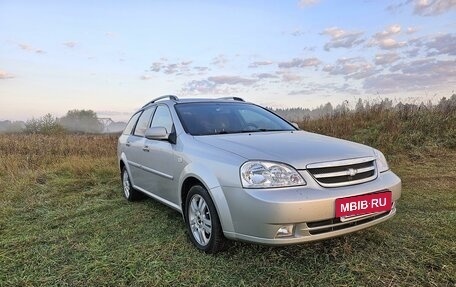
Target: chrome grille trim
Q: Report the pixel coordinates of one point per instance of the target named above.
(340, 162)
(343, 172)
(325, 226)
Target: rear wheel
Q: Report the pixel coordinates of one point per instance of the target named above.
(129, 192)
(202, 221)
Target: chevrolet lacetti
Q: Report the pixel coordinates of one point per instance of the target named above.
(236, 170)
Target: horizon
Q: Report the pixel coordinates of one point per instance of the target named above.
(112, 57)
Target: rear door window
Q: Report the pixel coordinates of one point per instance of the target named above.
(131, 124)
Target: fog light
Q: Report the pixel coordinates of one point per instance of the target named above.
(285, 231)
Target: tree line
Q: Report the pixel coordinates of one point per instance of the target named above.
(75, 121)
(328, 110)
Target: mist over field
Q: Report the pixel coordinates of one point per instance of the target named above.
(87, 121)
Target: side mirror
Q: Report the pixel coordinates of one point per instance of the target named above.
(157, 133)
(295, 125)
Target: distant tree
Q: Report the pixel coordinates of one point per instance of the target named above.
(359, 106)
(11, 126)
(47, 124)
(85, 121)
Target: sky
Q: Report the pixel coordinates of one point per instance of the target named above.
(114, 56)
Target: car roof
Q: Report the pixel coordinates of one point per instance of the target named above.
(170, 99)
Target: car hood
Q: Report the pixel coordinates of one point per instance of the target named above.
(297, 148)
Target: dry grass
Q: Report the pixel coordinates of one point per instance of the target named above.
(392, 130)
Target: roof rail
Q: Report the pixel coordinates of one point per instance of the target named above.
(171, 97)
(232, 98)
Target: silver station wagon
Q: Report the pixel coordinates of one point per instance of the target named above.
(238, 171)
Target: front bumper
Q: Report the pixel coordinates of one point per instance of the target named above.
(258, 214)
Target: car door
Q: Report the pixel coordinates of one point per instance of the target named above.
(135, 145)
(160, 160)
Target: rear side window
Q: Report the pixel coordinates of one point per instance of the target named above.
(162, 118)
(143, 122)
(131, 124)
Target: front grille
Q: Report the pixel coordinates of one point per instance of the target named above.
(334, 224)
(345, 172)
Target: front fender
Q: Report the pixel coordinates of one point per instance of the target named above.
(123, 158)
(212, 185)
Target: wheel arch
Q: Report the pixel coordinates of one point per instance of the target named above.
(123, 162)
(192, 176)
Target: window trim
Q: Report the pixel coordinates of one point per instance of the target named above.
(170, 115)
(134, 125)
(184, 125)
(148, 123)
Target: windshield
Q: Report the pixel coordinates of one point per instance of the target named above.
(228, 118)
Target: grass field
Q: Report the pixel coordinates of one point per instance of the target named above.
(63, 222)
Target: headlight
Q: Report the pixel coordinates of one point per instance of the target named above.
(264, 174)
(382, 165)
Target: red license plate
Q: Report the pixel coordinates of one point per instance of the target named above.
(363, 204)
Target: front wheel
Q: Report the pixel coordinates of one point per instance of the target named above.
(129, 192)
(202, 221)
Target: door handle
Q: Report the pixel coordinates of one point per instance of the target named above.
(146, 148)
(128, 144)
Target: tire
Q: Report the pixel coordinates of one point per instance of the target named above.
(202, 221)
(129, 192)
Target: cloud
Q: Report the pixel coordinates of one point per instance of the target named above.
(217, 85)
(433, 7)
(434, 45)
(289, 76)
(425, 7)
(442, 45)
(265, 76)
(70, 44)
(386, 59)
(27, 47)
(384, 39)
(389, 31)
(177, 68)
(389, 44)
(341, 38)
(231, 80)
(219, 61)
(207, 87)
(304, 92)
(329, 88)
(310, 48)
(297, 33)
(300, 63)
(256, 64)
(202, 87)
(347, 89)
(411, 30)
(307, 3)
(356, 68)
(394, 8)
(412, 53)
(4, 75)
(146, 77)
(201, 70)
(186, 63)
(414, 75)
